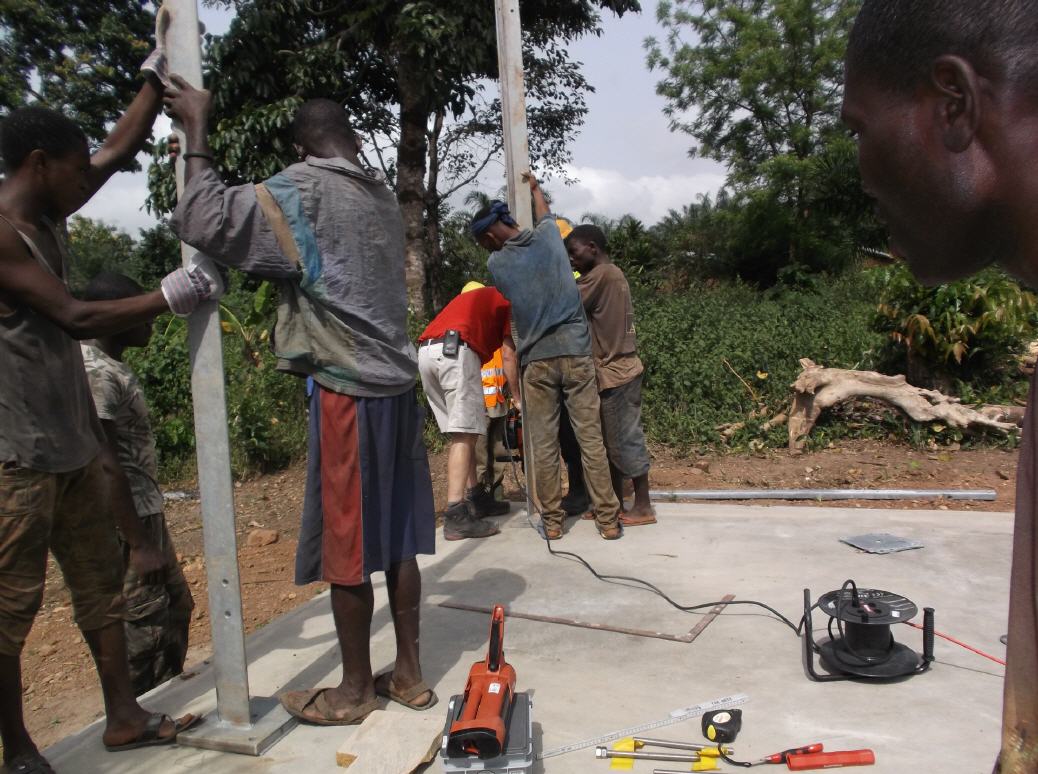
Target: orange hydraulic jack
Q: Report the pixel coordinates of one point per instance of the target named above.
(481, 726)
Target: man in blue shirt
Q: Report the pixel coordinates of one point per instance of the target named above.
(531, 269)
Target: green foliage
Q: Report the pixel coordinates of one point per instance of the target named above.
(763, 84)
(967, 331)
(266, 409)
(77, 56)
(722, 353)
(97, 246)
(416, 79)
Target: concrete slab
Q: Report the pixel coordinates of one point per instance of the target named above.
(586, 683)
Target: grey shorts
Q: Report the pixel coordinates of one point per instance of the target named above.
(454, 388)
(622, 428)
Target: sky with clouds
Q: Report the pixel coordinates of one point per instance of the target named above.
(625, 160)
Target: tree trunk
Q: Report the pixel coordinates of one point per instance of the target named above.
(818, 388)
(410, 190)
(434, 254)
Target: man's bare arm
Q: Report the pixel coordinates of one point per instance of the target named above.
(540, 204)
(24, 282)
(511, 366)
(127, 137)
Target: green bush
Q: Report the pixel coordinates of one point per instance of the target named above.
(963, 335)
(266, 409)
(723, 353)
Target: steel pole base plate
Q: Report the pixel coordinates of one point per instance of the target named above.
(270, 722)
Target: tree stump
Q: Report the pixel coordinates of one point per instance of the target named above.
(818, 388)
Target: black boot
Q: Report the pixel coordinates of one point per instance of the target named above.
(460, 522)
(485, 503)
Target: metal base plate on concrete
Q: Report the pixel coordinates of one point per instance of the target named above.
(270, 722)
(517, 757)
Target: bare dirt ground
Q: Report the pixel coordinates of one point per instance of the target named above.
(61, 693)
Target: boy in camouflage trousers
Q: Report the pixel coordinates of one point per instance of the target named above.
(157, 614)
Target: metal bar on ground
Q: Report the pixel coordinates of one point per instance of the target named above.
(674, 495)
(685, 638)
(240, 726)
(709, 617)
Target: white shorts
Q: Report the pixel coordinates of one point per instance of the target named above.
(454, 388)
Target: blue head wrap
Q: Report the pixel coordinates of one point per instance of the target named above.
(498, 212)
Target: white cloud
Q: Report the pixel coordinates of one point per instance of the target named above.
(647, 197)
(121, 202)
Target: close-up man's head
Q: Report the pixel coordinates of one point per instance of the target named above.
(586, 245)
(493, 225)
(321, 128)
(933, 89)
(112, 286)
(49, 152)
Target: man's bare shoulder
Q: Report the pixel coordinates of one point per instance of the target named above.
(12, 246)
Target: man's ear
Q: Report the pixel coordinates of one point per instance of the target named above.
(36, 160)
(959, 101)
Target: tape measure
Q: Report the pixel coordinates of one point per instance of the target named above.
(722, 726)
(676, 716)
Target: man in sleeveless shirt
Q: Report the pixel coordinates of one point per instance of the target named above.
(942, 97)
(59, 489)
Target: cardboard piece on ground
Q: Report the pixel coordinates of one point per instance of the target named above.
(391, 743)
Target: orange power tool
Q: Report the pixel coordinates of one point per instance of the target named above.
(482, 724)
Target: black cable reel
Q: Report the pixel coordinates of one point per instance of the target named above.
(863, 645)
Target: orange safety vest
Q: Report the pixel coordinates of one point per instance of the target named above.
(494, 381)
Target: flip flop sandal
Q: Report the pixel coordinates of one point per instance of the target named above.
(407, 697)
(312, 707)
(150, 735)
(29, 763)
(637, 521)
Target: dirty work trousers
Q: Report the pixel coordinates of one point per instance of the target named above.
(547, 385)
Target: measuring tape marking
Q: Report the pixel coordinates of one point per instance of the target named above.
(676, 716)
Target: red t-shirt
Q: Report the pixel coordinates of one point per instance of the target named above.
(481, 317)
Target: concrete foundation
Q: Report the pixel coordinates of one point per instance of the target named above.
(585, 683)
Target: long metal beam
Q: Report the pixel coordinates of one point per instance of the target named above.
(513, 108)
(240, 725)
(674, 495)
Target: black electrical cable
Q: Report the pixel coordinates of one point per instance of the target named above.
(642, 584)
(726, 759)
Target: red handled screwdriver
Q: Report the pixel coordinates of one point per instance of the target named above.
(830, 760)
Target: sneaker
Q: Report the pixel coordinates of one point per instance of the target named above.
(460, 522)
(575, 503)
(486, 504)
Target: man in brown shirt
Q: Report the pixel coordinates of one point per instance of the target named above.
(607, 303)
(941, 95)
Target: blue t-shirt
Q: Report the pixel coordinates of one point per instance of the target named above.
(532, 271)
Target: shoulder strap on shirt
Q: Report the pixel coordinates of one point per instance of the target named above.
(278, 223)
(30, 245)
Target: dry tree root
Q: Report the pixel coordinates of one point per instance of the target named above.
(818, 388)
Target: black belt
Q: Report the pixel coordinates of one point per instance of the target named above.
(440, 340)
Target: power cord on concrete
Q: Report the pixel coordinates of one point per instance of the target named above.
(631, 582)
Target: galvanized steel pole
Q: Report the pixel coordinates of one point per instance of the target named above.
(235, 728)
(517, 161)
(513, 108)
